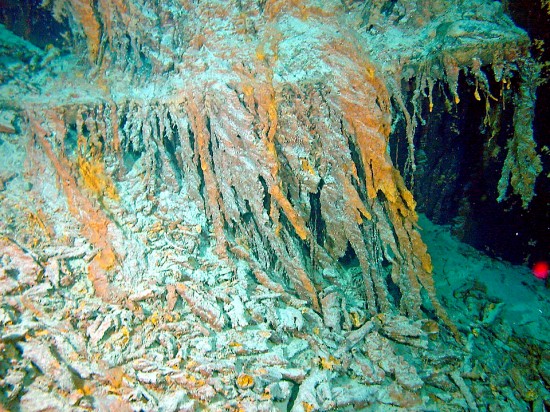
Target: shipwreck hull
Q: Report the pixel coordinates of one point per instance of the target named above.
(215, 199)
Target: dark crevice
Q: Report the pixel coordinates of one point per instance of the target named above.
(211, 141)
(122, 118)
(128, 57)
(293, 396)
(191, 138)
(101, 140)
(393, 290)
(388, 6)
(171, 148)
(349, 259)
(197, 163)
(360, 167)
(70, 143)
(267, 196)
(247, 216)
(85, 132)
(209, 129)
(317, 225)
(289, 238)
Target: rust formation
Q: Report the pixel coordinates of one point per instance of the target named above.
(259, 131)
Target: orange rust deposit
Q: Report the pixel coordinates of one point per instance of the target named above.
(245, 381)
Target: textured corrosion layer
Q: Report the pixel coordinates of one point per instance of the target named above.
(273, 119)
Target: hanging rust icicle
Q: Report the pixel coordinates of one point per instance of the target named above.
(214, 219)
(522, 164)
(275, 121)
(94, 221)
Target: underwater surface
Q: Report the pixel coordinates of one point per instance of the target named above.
(274, 205)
